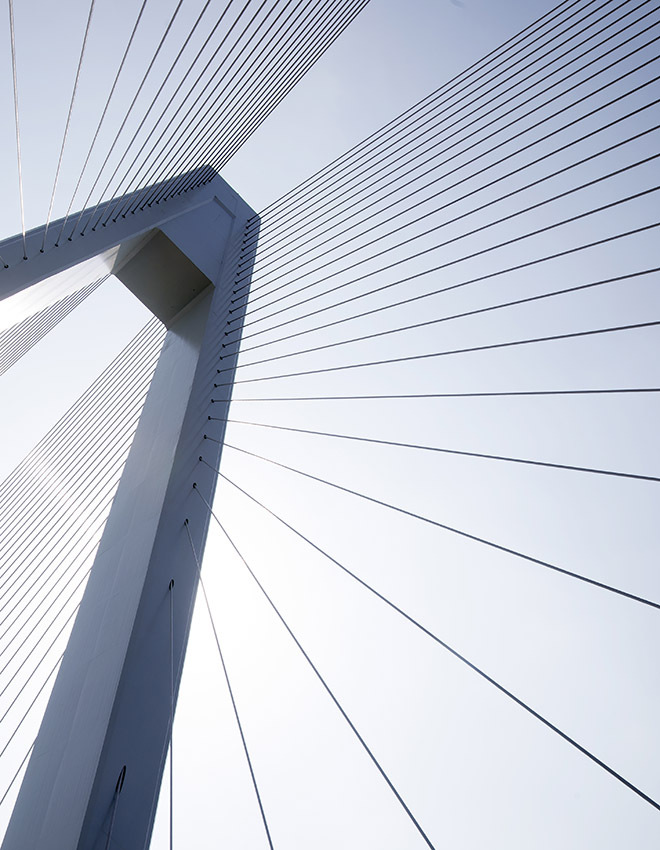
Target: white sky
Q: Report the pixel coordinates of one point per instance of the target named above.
(475, 769)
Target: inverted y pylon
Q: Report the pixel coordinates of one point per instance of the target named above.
(109, 711)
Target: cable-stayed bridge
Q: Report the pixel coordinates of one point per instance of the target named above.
(432, 548)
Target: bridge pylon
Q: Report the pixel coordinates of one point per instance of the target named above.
(93, 778)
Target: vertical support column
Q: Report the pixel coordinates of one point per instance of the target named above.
(110, 705)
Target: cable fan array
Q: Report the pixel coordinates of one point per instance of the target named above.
(440, 337)
(54, 506)
(492, 246)
(236, 64)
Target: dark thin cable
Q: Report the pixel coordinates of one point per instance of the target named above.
(57, 549)
(448, 352)
(510, 394)
(450, 649)
(415, 326)
(229, 688)
(181, 144)
(102, 119)
(161, 166)
(437, 246)
(68, 121)
(123, 124)
(173, 96)
(49, 647)
(76, 538)
(170, 150)
(22, 337)
(281, 89)
(176, 156)
(57, 529)
(450, 287)
(317, 48)
(439, 449)
(72, 538)
(121, 201)
(15, 776)
(286, 239)
(481, 171)
(220, 153)
(12, 38)
(175, 144)
(29, 708)
(81, 537)
(53, 509)
(465, 534)
(66, 556)
(305, 208)
(54, 619)
(16, 340)
(539, 123)
(405, 159)
(451, 87)
(478, 67)
(86, 473)
(458, 260)
(84, 407)
(111, 468)
(322, 680)
(149, 165)
(87, 539)
(77, 414)
(56, 461)
(178, 144)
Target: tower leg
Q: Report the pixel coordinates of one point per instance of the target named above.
(110, 705)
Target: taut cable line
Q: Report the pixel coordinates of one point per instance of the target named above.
(123, 124)
(102, 118)
(439, 449)
(475, 230)
(463, 659)
(229, 688)
(221, 152)
(81, 435)
(479, 253)
(450, 287)
(477, 69)
(68, 122)
(121, 201)
(179, 145)
(460, 532)
(304, 208)
(475, 191)
(477, 311)
(409, 396)
(155, 164)
(452, 351)
(12, 37)
(327, 688)
(232, 115)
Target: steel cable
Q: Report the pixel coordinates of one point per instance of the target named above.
(332, 696)
(454, 652)
(68, 122)
(304, 209)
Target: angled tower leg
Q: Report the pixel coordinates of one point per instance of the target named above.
(110, 705)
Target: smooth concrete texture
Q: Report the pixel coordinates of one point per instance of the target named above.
(179, 280)
(110, 705)
(106, 248)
